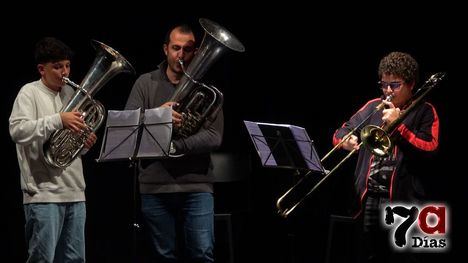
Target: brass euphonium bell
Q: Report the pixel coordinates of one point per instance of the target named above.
(199, 103)
(64, 146)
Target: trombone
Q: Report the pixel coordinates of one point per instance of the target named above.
(376, 139)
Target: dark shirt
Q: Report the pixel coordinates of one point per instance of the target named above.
(416, 141)
(189, 173)
(381, 171)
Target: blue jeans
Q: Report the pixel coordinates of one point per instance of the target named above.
(191, 215)
(55, 232)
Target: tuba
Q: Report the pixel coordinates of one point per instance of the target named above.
(64, 145)
(200, 103)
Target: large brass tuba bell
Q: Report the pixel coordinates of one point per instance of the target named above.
(65, 145)
(199, 103)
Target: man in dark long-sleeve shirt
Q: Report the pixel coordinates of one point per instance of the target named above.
(177, 193)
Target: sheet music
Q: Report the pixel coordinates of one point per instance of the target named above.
(120, 133)
(123, 128)
(123, 118)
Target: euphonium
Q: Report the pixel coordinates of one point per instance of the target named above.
(200, 103)
(65, 145)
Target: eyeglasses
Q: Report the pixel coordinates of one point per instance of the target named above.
(393, 85)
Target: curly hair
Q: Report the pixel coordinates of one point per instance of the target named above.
(400, 64)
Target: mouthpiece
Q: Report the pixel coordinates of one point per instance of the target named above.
(382, 105)
(71, 83)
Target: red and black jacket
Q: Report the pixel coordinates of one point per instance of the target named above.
(416, 140)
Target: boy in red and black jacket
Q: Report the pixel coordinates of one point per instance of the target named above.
(400, 176)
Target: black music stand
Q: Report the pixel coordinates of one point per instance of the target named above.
(131, 135)
(284, 146)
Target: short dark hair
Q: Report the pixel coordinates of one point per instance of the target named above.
(50, 49)
(183, 28)
(400, 64)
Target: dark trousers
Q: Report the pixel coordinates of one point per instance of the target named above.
(377, 240)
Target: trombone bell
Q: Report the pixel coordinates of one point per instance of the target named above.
(376, 140)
